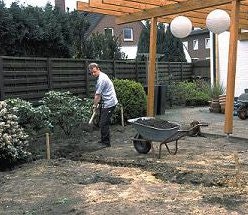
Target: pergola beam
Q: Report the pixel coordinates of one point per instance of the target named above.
(82, 6)
(243, 36)
(120, 8)
(170, 9)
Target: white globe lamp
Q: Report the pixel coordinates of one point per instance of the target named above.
(218, 21)
(181, 26)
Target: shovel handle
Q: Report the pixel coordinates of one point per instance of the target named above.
(92, 117)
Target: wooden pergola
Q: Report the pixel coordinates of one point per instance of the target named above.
(165, 11)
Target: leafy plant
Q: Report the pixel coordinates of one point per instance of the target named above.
(132, 97)
(66, 110)
(13, 139)
(32, 119)
(190, 93)
(216, 90)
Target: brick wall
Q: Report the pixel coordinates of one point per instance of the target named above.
(60, 4)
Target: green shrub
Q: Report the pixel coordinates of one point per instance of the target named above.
(132, 97)
(216, 90)
(13, 139)
(194, 93)
(32, 119)
(66, 110)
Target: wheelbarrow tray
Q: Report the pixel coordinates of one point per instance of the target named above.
(152, 133)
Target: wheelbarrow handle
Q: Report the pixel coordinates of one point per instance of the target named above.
(203, 124)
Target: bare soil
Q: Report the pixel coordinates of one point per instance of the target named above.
(208, 175)
(157, 123)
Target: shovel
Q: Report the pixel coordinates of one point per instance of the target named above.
(93, 115)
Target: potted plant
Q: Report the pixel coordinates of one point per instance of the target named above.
(216, 91)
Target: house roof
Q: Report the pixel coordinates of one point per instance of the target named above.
(93, 19)
(199, 31)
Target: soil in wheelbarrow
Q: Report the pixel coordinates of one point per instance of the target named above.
(157, 123)
(208, 175)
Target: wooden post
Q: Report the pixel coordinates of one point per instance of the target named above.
(151, 68)
(48, 146)
(49, 73)
(181, 71)
(87, 82)
(114, 69)
(1, 80)
(217, 60)
(136, 70)
(232, 58)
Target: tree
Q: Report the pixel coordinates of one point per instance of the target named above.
(173, 49)
(35, 32)
(48, 32)
(144, 40)
(79, 26)
(7, 30)
(105, 47)
(169, 48)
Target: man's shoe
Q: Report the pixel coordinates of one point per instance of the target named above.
(106, 145)
(103, 145)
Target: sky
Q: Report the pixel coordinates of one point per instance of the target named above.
(71, 4)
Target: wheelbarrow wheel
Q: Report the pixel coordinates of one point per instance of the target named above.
(242, 112)
(143, 147)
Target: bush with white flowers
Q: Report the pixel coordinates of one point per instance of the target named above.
(32, 119)
(13, 139)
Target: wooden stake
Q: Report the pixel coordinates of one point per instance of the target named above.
(48, 146)
(122, 116)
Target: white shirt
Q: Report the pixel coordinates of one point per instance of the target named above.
(105, 88)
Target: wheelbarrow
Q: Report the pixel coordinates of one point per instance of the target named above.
(242, 110)
(147, 134)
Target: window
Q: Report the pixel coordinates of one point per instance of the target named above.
(207, 43)
(128, 34)
(195, 44)
(109, 31)
(186, 44)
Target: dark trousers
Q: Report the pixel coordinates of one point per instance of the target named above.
(105, 116)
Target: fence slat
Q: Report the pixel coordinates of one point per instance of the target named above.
(30, 77)
(1, 80)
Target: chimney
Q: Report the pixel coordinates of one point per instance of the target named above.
(60, 4)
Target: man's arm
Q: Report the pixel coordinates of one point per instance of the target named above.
(97, 99)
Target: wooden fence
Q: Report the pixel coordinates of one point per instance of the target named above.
(31, 78)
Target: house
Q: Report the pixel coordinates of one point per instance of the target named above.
(128, 34)
(198, 44)
(241, 81)
(60, 4)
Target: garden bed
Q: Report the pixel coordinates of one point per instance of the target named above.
(81, 178)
